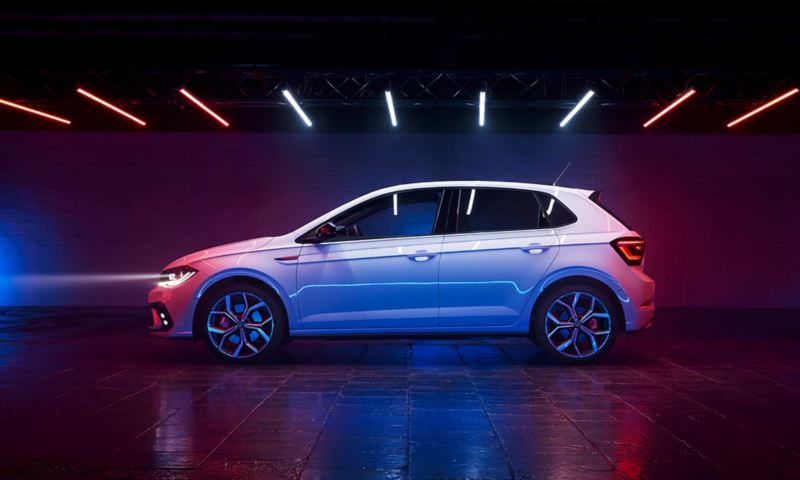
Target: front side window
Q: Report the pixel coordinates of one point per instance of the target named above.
(399, 214)
(492, 210)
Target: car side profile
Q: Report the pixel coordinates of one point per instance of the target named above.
(437, 258)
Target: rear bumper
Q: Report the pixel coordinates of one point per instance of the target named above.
(640, 306)
(642, 319)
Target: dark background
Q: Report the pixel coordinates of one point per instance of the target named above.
(717, 206)
(474, 35)
(719, 212)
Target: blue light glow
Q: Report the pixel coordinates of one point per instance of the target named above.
(7, 267)
(415, 284)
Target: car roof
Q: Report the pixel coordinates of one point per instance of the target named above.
(482, 183)
(551, 189)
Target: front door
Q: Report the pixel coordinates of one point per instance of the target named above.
(380, 272)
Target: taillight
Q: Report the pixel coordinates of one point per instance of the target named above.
(631, 249)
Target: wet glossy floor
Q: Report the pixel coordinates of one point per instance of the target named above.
(86, 393)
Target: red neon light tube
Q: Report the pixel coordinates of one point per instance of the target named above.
(112, 107)
(672, 105)
(200, 104)
(35, 112)
(763, 107)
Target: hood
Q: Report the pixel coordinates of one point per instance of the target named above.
(222, 250)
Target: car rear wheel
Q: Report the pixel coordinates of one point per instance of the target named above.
(576, 324)
(243, 324)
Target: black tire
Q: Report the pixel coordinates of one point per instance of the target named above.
(549, 298)
(280, 328)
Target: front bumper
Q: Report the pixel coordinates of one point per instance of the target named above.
(162, 320)
(177, 305)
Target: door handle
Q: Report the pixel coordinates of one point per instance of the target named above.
(421, 256)
(535, 248)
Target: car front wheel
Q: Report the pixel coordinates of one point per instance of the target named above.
(576, 324)
(243, 324)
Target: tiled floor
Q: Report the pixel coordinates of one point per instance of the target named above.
(86, 393)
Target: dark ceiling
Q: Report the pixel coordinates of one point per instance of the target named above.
(435, 55)
(428, 35)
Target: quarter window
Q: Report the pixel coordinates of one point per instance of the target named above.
(558, 214)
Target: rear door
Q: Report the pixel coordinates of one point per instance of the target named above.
(500, 247)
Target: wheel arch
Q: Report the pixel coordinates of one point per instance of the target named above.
(236, 277)
(589, 276)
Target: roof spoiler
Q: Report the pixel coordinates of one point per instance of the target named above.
(595, 196)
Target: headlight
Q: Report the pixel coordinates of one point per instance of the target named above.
(175, 276)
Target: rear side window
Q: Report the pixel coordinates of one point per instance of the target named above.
(492, 210)
(556, 211)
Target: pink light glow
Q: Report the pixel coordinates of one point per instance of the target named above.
(112, 107)
(763, 107)
(35, 112)
(672, 105)
(200, 104)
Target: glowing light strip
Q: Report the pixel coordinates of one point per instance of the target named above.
(577, 108)
(482, 109)
(83, 278)
(296, 106)
(672, 105)
(763, 107)
(112, 107)
(390, 104)
(510, 283)
(35, 112)
(200, 104)
(471, 200)
(394, 198)
(174, 280)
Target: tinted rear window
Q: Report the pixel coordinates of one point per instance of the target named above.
(492, 210)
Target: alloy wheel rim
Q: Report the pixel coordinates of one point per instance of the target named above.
(578, 324)
(240, 325)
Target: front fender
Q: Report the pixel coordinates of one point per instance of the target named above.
(291, 308)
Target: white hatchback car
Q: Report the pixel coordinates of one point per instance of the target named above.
(439, 258)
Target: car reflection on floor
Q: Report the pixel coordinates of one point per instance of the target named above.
(86, 393)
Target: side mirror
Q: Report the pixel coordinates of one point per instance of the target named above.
(326, 231)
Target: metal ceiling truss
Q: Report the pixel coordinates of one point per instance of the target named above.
(254, 87)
